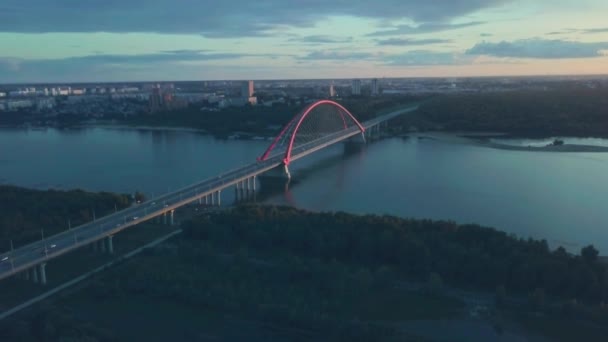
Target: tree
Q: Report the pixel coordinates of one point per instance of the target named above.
(589, 254)
(435, 283)
(501, 296)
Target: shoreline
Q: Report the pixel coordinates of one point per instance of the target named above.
(468, 139)
(124, 127)
(144, 128)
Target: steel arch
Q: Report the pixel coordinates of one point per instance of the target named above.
(291, 129)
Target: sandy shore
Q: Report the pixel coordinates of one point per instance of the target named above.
(466, 138)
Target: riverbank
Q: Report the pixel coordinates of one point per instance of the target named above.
(143, 128)
(482, 139)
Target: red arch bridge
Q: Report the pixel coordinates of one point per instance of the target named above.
(319, 125)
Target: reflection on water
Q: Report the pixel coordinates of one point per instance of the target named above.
(557, 196)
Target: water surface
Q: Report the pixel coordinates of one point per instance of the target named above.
(557, 196)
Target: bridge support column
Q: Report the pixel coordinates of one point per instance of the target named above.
(213, 198)
(34, 271)
(110, 244)
(219, 198)
(200, 201)
(254, 180)
(172, 216)
(206, 199)
(287, 172)
(102, 246)
(165, 217)
(42, 268)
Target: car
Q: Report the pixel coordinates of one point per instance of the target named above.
(118, 224)
(153, 203)
(135, 218)
(4, 259)
(47, 249)
(166, 205)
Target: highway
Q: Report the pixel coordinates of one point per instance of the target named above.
(24, 257)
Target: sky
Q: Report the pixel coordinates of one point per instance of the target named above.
(147, 40)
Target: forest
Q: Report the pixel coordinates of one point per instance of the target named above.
(24, 213)
(468, 256)
(565, 111)
(335, 276)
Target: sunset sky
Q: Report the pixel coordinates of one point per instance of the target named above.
(121, 40)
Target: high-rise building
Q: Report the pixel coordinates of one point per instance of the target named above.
(247, 89)
(356, 87)
(156, 99)
(375, 88)
(332, 90)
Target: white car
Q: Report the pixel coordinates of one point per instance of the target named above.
(4, 259)
(135, 218)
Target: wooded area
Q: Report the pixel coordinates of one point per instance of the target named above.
(25, 212)
(567, 111)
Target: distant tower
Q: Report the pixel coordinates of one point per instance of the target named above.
(332, 90)
(247, 89)
(156, 99)
(356, 87)
(375, 89)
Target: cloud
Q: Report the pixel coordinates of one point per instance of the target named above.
(564, 31)
(424, 28)
(539, 48)
(321, 39)
(411, 42)
(427, 58)
(584, 31)
(596, 30)
(236, 18)
(100, 66)
(338, 55)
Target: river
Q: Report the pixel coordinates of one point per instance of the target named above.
(556, 196)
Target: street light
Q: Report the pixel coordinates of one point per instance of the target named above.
(46, 252)
(12, 262)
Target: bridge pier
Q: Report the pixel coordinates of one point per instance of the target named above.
(34, 271)
(110, 244)
(172, 216)
(219, 198)
(165, 217)
(42, 268)
(102, 246)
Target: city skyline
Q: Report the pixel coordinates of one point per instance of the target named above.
(162, 40)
